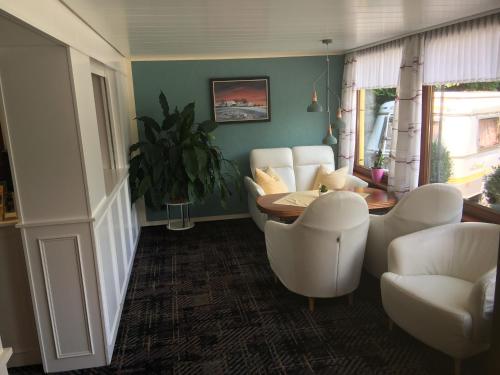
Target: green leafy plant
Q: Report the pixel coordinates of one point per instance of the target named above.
(492, 186)
(323, 188)
(384, 95)
(441, 163)
(177, 162)
(378, 160)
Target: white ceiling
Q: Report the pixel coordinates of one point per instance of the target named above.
(191, 29)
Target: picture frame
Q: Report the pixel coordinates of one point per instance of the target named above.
(240, 99)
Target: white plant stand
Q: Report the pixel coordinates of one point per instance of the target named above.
(182, 223)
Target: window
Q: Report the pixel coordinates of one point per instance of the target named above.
(104, 122)
(488, 132)
(465, 146)
(375, 117)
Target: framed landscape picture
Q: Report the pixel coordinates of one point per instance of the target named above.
(240, 99)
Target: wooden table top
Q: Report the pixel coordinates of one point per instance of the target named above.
(377, 199)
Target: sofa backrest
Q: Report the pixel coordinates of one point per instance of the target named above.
(306, 162)
(280, 159)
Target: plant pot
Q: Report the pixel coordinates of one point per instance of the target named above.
(377, 174)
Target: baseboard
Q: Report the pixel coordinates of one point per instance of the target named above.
(25, 358)
(201, 219)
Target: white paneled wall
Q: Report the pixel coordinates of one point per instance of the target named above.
(79, 230)
(116, 238)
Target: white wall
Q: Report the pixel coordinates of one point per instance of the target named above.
(56, 20)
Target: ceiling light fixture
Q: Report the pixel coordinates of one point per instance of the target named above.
(315, 106)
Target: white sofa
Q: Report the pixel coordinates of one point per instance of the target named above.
(297, 167)
(441, 284)
(321, 253)
(424, 207)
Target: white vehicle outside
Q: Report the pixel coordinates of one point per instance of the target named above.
(466, 123)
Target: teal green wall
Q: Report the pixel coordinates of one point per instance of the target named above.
(290, 84)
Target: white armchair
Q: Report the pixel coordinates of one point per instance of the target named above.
(424, 207)
(441, 284)
(321, 253)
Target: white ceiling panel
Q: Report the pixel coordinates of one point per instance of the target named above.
(191, 29)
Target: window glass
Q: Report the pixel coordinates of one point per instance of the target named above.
(375, 117)
(103, 122)
(465, 148)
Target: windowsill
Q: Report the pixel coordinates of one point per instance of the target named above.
(8, 223)
(476, 212)
(365, 174)
(472, 212)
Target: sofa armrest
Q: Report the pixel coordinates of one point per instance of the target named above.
(354, 182)
(481, 304)
(252, 188)
(482, 295)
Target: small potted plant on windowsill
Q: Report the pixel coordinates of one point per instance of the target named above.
(378, 166)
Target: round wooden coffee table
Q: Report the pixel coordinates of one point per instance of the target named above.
(377, 199)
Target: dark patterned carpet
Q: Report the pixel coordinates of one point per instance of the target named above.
(205, 302)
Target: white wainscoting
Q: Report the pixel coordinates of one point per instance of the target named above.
(116, 236)
(71, 337)
(79, 274)
(64, 290)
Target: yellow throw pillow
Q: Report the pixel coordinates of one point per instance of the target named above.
(333, 180)
(270, 181)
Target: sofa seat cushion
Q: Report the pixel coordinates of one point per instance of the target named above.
(270, 181)
(433, 308)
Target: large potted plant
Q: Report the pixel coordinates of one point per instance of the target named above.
(176, 161)
(377, 170)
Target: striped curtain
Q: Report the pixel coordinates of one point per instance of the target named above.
(347, 135)
(405, 146)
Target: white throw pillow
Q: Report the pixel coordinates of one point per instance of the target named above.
(332, 180)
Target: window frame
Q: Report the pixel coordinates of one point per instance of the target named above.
(471, 211)
(360, 170)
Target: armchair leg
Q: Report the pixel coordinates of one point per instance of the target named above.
(311, 304)
(350, 296)
(275, 279)
(458, 366)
